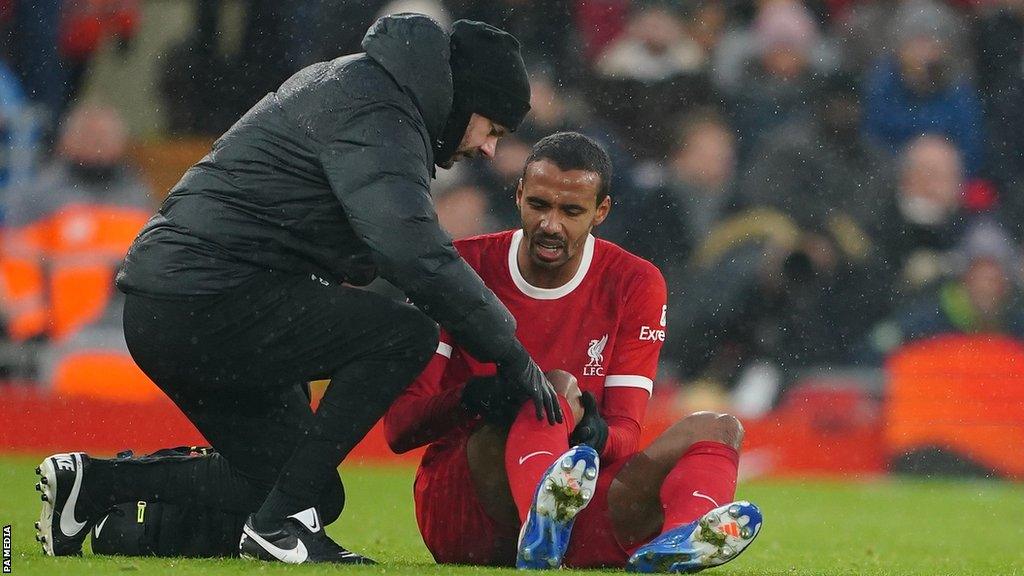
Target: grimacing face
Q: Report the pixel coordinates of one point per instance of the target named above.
(558, 209)
(481, 138)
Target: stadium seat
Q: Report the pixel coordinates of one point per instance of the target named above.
(958, 394)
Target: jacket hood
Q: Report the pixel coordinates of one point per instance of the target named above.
(415, 50)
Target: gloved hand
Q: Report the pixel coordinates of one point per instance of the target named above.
(492, 399)
(592, 429)
(521, 373)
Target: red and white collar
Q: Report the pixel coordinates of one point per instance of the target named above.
(547, 293)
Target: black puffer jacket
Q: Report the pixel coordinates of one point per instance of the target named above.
(330, 175)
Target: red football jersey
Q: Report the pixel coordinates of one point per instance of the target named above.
(605, 326)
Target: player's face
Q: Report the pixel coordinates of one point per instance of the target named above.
(480, 139)
(558, 209)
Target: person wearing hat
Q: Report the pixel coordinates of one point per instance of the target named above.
(242, 288)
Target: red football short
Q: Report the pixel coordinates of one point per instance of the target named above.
(456, 529)
(452, 521)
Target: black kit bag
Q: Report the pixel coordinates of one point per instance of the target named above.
(168, 529)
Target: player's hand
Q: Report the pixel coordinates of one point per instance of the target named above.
(525, 376)
(592, 429)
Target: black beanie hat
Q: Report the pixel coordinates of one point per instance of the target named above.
(489, 74)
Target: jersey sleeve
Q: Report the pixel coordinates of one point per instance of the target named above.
(429, 408)
(641, 332)
(623, 408)
(634, 364)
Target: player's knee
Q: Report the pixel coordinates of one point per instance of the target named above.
(710, 426)
(567, 387)
(729, 429)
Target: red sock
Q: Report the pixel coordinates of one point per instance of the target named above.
(531, 447)
(703, 479)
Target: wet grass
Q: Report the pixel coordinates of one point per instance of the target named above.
(885, 527)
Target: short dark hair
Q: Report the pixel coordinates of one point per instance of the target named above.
(574, 151)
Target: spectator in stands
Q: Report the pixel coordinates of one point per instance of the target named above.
(655, 46)
(775, 85)
(552, 110)
(923, 221)
(983, 297)
(767, 299)
(821, 168)
(67, 231)
(679, 205)
(652, 71)
(864, 30)
(919, 90)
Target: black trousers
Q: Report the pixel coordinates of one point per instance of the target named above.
(236, 364)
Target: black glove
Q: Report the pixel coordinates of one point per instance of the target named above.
(591, 430)
(522, 373)
(492, 399)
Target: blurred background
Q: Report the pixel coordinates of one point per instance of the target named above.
(833, 189)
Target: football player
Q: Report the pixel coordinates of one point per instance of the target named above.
(497, 487)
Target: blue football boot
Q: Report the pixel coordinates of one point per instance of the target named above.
(566, 488)
(717, 537)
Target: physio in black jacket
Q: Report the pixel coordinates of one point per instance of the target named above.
(240, 289)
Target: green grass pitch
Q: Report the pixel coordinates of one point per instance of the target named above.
(811, 528)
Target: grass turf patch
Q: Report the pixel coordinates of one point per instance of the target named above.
(884, 527)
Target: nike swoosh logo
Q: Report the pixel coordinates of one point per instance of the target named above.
(296, 555)
(314, 525)
(531, 455)
(70, 525)
(99, 527)
(705, 496)
(308, 518)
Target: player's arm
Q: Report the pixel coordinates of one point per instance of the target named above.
(631, 372)
(377, 164)
(426, 411)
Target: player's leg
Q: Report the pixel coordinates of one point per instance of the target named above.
(700, 525)
(533, 445)
(479, 465)
(686, 471)
(550, 482)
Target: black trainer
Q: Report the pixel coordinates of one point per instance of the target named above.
(301, 539)
(63, 524)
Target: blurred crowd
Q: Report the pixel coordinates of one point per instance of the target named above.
(820, 181)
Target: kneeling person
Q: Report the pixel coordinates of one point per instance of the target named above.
(495, 487)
